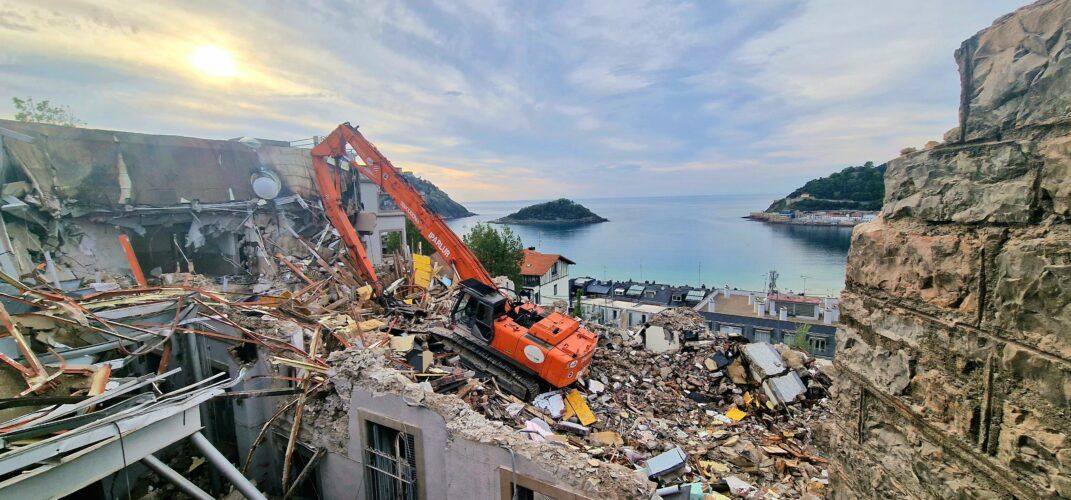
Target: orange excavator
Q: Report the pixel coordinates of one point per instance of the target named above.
(525, 348)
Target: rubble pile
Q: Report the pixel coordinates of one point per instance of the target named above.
(278, 315)
(679, 319)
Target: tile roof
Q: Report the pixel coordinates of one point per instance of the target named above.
(537, 264)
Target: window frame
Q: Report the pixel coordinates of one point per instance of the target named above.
(364, 417)
(813, 340)
(505, 478)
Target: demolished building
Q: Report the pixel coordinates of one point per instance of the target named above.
(954, 350)
(179, 316)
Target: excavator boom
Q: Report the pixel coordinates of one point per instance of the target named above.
(380, 170)
(521, 344)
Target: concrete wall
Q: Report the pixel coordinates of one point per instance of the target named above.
(386, 220)
(451, 468)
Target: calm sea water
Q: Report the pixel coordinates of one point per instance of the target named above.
(686, 240)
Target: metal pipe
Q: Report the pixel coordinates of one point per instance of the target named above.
(177, 479)
(225, 467)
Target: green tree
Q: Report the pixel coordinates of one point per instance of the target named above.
(799, 337)
(28, 110)
(578, 311)
(500, 251)
(417, 242)
(392, 242)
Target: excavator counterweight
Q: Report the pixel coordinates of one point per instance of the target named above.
(510, 340)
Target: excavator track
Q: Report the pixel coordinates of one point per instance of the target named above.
(512, 379)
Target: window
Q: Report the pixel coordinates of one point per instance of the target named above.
(615, 313)
(643, 318)
(386, 204)
(649, 294)
(731, 330)
(554, 269)
(555, 290)
(529, 488)
(677, 298)
(818, 344)
(392, 458)
(762, 335)
(797, 309)
(531, 281)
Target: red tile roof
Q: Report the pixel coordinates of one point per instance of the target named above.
(537, 264)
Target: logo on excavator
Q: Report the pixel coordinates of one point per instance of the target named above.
(412, 215)
(438, 244)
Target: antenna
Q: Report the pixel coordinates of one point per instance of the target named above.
(805, 283)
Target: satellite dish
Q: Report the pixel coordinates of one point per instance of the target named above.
(266, 185)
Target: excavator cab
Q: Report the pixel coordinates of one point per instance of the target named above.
(476, 308)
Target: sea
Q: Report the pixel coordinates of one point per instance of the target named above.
(685, 240)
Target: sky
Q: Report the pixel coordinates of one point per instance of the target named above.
(528, 100)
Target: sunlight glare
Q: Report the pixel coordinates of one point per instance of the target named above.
(213, 61)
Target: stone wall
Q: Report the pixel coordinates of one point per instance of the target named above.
(955, 344)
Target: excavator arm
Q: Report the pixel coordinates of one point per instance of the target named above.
(329, 182)
(522, 345)
(380, 170)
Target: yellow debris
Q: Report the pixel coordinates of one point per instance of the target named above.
(421, 270)
(370, 324)
(735, 414)
(365, 292)
(575, 402)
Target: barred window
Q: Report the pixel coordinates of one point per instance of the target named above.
(391, 460)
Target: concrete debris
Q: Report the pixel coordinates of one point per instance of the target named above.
(666, 462)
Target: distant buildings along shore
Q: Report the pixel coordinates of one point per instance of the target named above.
(846, 218)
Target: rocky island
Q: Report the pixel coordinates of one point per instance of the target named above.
(560, 211)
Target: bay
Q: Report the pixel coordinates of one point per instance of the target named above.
(685, 240)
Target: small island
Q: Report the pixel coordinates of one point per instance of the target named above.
(560, 211)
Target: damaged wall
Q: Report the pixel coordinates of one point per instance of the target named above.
(462, 452)
(69, 192)
(954, 347)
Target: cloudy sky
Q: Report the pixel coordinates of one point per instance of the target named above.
(494, 100)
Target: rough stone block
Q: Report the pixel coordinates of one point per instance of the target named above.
(1056, 175)
(888, 369)
(938, 266)
(1014, 74)
(1040, 375)
(991, 183)
(1029, 446)
(1030, 290)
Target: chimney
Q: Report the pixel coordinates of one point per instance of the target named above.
(783, 314)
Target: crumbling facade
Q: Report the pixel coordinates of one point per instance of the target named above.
(955, 345)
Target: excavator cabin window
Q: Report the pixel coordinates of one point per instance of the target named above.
(476, 315)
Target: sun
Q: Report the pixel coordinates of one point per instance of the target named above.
(213, 61)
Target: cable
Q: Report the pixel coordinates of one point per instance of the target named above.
(126, 472)
(513, 469)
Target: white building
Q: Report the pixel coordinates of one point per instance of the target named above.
(379, 217)
(619, 313)
(546, 276)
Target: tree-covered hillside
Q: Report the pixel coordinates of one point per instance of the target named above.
(437, 200)
(854, 188)
(557, 211)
